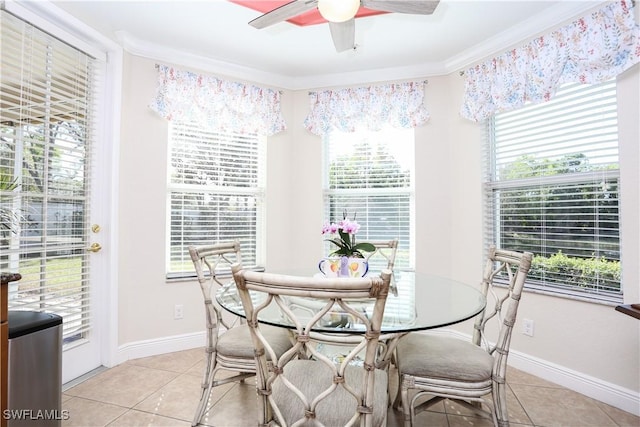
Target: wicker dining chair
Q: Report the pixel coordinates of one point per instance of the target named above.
(450, 368)
(303, 387)
(228, 343)
(385, 253)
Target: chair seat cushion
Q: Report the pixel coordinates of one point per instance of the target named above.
(236, 342)
(431, 356)
(312, 377)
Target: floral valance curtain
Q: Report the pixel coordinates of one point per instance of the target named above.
(590, 50)
(216, 103)
(400, 105)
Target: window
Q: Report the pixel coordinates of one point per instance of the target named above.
(370, 175)
(216, 193)
(551, 188)
(47, 131)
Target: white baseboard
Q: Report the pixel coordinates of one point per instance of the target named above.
(157, 346)
(611, 394)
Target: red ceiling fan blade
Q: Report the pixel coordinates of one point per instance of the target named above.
(283, 13)
(309, 17)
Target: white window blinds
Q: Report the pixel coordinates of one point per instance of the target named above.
(47, 132)
(216, 192)
(369, 175)
(552, 189)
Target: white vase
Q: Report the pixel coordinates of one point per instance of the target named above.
(343, 266)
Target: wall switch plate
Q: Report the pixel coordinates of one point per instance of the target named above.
(178, 311)
(527, 327)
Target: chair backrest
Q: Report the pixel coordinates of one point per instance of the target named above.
(502, 283)
(385, 252)
(213, 269)
(276, 379)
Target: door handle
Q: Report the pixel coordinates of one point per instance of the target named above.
(95, 247)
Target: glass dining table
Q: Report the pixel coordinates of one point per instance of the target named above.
(416, 302)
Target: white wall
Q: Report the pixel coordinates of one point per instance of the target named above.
(581, 339)
(294, 234)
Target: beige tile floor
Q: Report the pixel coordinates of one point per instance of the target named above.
(163, 391)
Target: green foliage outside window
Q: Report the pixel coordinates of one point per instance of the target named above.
(574, 271)
(571, 226)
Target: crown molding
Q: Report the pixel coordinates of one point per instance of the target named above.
(156, 52)
(369, 76)
(558, 15)
(159, 53)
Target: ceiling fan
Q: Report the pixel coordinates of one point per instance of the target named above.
(341, 14)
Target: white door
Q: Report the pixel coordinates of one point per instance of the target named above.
(49, 163)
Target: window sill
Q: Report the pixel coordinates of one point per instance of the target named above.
(608, 300)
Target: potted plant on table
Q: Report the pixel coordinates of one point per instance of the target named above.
(348, 260)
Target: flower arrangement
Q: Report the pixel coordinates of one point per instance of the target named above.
(346, 238)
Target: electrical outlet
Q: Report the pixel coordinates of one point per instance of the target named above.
(178, 311)
(527, 327)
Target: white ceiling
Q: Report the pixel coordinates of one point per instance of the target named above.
(215, 35)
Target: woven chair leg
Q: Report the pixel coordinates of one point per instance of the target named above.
(500, 415)
(397, 403)
(264, 409)
(407, 410)
(207, 385)
(202, 405)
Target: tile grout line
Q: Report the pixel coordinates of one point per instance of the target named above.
(531, 423)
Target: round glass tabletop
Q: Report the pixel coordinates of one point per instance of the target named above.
(415, 302)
